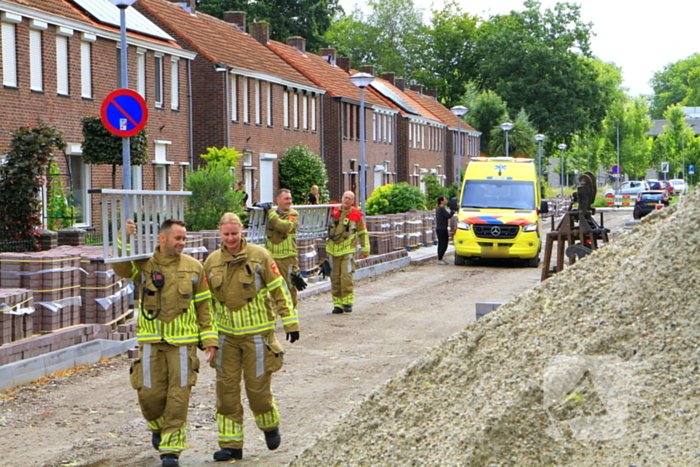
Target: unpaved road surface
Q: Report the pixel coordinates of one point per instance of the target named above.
(90, 417)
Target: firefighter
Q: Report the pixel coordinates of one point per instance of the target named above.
(346, 226)
(247, 289)
(173, 319)
(281, 239)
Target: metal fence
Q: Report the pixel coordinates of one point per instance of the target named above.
(313, 222)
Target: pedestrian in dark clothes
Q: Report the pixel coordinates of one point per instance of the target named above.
(442, 217)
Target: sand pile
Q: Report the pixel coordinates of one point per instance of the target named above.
(598, 365)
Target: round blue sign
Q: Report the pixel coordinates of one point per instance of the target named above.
(124, 112)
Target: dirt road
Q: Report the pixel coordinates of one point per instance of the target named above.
(91, 417)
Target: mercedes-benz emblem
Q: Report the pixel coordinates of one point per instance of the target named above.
(495, 231)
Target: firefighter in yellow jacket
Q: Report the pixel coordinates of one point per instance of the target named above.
(281, 239)
(173, 319)
(247, 290)
(346, 226)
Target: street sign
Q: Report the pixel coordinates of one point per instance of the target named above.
(124, 112)
(691, 169)
(664, 167)
(616, 169)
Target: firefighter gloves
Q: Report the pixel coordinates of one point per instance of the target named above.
(298, 281)
(293, 336)
(325, 268)
(265, 206)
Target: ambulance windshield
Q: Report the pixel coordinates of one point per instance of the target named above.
(498, 194)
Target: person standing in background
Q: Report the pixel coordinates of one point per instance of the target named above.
(442, 216)
(313, 196)
(281, 239)
(240, 186)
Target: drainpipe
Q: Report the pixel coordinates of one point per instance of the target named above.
(189, 112)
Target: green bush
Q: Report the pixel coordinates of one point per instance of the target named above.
(433, 189)
(392, 199)
(300, 169)
(212, 195)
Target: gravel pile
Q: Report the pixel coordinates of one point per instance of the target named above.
(597, 366)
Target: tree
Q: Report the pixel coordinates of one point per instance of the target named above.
(675, 84)
(540, 62)
(486, 111)
(21, 178)
(102, 147)
(307, 18)
(392, 199)
(677, 144)
(300, 169)
(521, 139)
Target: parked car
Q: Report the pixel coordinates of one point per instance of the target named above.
(648, 201)
(663, 185)
(679, 186)
(633, 187)
(668, 188)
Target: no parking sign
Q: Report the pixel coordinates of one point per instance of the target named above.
(124, 112)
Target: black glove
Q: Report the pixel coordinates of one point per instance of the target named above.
(298, 281)
(325, 268)
(265, 206)
(293, 336)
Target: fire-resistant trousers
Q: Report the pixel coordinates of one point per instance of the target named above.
(164, 375)
(286, 266)
(248, 357)
(342, 279)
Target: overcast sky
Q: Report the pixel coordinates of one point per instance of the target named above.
(640, 37)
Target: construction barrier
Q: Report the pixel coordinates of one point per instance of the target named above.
(620, 200)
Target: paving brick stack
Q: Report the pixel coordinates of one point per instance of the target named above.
(429, 234)
(381, 238)
(195, 245)
(397, 222)
(72, 236)
(47, 239)
(308, 256)
(16, 315)
(321, 249)
(413, 229)
(211, 239)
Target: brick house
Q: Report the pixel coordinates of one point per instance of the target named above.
(59, 61)
(244, 96)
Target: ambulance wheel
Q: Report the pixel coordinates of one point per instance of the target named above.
(533, 262)
(459, 260)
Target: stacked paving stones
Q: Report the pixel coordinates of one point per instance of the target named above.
(413, 229)
(211, 240)
(194, 246)
(308, 256)
(381, 237)
(397, 227)
(16, 315)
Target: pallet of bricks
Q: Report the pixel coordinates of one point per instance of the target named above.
(381, 237)
(16, 315)
(308, 256)
(413, 229)
(194, 246)
(211, 241)
(396, 222)
(105, 296)
(54, 279)
(429, 234)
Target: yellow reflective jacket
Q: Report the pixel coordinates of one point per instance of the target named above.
(281, 239)
(247, 290)
(346, 226)
(177, 311)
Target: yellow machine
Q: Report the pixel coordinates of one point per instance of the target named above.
(499, 211)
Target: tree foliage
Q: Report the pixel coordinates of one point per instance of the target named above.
(306, 18)
(486, 111)
(21, 179)
(300, 169)
(521, 139)
(227, 156)
(677, 83)
(212, 195)
(678, 144)
(396, 198)
(102, 147)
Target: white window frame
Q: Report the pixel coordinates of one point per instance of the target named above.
(258, 117)
(160, 165)
(285, 108)
(375, 137)
(9, 49)
(86, 65)
(141, 71)
(158, 80)
(313, 113)
(246, 101)
(174, 83)
(234, 98)
(269, 103)
(305, 112)
(137, 177)
(62, 83)
(74, 151)
(296, 111)
(36, 65)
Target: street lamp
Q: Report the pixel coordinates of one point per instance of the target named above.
(362, 80)
(619, 169)
(459, 110)
(562, 147)
(124, 82)
(507, 127)
(683, 152)
(539, 138)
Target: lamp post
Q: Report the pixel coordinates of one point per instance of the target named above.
(683, 152)
(562, 147)
(124, 83)
(507, 127)
(458, 111)
(362, 80)
(619, 169)
(539, 138)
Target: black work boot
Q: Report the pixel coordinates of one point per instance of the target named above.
(155, 439)
(348, 308)
(170, 460)
(273, 439)
(227, 454)
(337, 310)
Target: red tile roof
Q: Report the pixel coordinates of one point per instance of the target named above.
(442, 112)
(221, 42)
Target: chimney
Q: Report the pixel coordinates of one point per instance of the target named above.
(400, 83)
(390, 76)
(417, 87)
(432, 93)
(369, 69)
(260, 31)
(344, 63)
(298, 42)
(235, 17)
(328, 54)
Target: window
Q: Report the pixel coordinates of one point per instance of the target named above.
(389, 127)
(137, 177)
(35, 61)
(9, 55)
(375, 136)
(158, 79)
(85, 69)
(296, 111)
(258, 118)
(313, 113)
(174, 83)
(246, 116)
(305, 112)
(62, 65)
(285, 108)
(234, 98)
(161, 165)
(269, 104)
(141, 72)
(79, 184)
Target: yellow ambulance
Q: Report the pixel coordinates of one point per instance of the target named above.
(499, 211)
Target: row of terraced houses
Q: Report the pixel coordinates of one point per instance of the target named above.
(214, 83)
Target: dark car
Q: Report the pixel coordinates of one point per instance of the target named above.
(648, 201)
